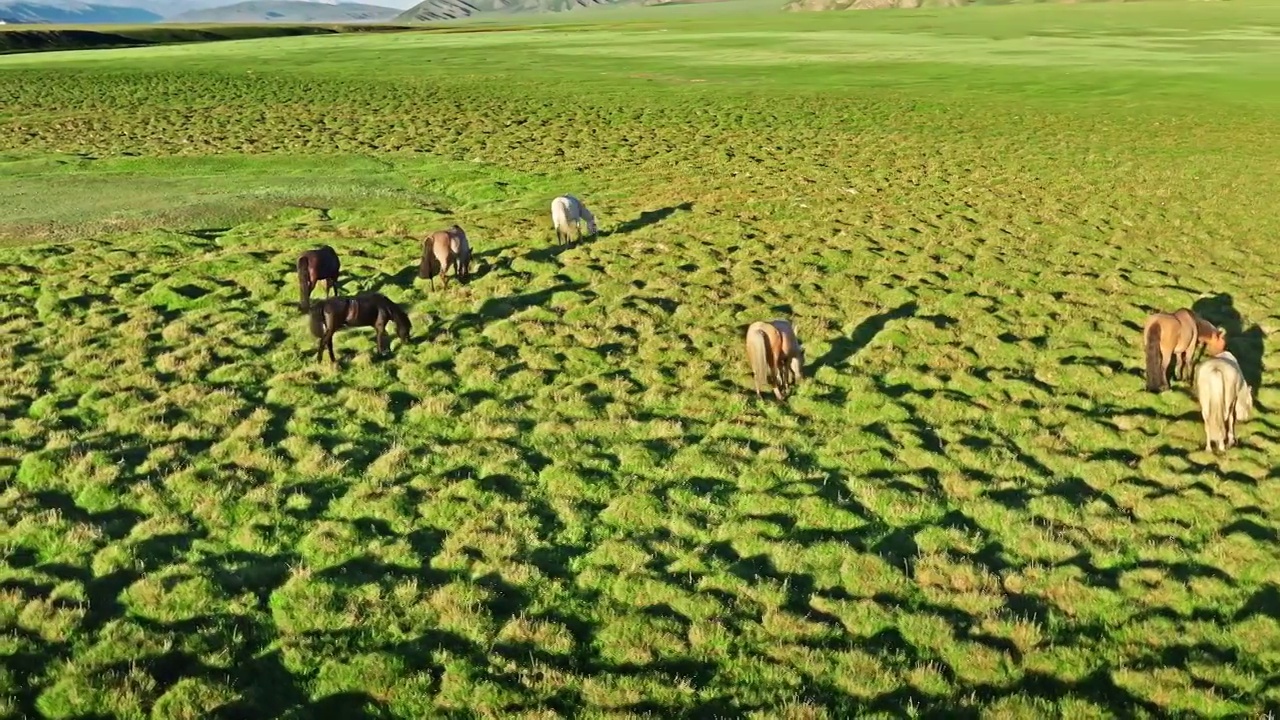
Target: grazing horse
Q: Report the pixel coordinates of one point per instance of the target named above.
(1225, 398)
(1173, 337)
(314, 266)
(442, 249)
(361, 310)
(568, 211)
(775, 355)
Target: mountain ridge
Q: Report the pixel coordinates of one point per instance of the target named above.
(26, 12)
(288, 11)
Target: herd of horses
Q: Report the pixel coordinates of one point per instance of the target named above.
(774, 353)
(1171, 341)
(442, 250)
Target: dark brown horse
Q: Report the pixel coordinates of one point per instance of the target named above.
(364, 310)
(314, 266)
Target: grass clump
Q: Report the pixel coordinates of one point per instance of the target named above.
(562, 496)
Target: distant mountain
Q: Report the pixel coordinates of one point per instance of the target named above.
(437, 10)
(164, 8)
(73, 13)
(287, 11)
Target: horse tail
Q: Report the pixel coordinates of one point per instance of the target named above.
(1154, 364)
(400, 318)
(317, 320)
(758, 356)
(304, 284)
(1210, 388)
(559, 213)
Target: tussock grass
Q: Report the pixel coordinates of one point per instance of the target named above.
(562, 496)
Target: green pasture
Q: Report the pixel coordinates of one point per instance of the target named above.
(562, 497)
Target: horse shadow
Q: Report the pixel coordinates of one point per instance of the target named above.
(551, 252)
(647, 218)
(844, 348)
(500, 308)
(1249, 346)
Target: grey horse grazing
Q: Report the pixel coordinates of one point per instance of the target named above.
(568, 211)
(1225, 398)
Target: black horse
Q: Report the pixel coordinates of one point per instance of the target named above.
(314, 266)
(363, 310)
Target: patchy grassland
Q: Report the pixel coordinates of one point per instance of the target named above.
(33, 38)
(562, 497)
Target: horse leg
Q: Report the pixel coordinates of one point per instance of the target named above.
(328, 341)
(381, 327)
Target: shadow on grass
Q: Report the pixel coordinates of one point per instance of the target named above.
(647, 218)
(1249, 346)
(844, 348)
(495, 309)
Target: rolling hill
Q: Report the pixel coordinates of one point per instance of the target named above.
(436, 10)
(164, 8)
(73, 13)
(287, 11)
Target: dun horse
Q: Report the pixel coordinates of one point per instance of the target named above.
(442, 249)
(568, 211)
(1225, 398)
(775, 355)
(1173, 337)
(364, 310)
(314, 266)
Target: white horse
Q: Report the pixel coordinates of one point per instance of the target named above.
(567, 211)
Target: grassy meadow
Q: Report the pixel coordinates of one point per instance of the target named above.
(562, 498)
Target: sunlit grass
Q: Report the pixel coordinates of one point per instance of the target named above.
(562, 496)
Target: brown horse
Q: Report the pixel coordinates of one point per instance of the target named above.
(775, 355)
(442, 249)
(364, 310)
(314, 266)
(1174, 337)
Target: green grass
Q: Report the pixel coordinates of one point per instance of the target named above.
(562, 498)
(34, 38)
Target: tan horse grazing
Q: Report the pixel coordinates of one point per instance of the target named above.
(1172, 337)
(775, 355)
(442, 249)
(1225, 399)
(314, 266)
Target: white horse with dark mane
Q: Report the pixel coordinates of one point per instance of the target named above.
(568, 211)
